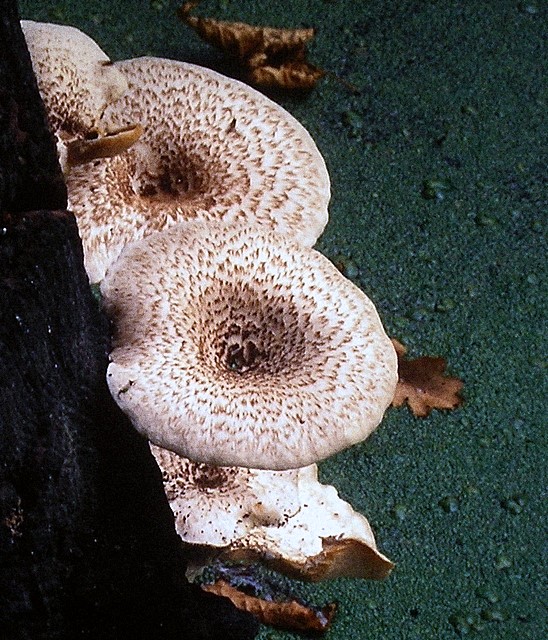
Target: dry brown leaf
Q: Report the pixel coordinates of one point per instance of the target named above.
(423, 383)
(235, 38)
(294, 75)
(339, 557)
(271, 58)
(244, 40)
(291, 615)
(111, 144)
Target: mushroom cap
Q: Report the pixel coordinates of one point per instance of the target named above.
(212, 148)
(215, 506)
(75, 77)
(325, 539)
(286, 519)
(236, 346)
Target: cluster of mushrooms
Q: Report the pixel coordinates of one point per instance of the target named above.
(242, 354)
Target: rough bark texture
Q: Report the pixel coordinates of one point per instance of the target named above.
(30, 177)
(87, 543)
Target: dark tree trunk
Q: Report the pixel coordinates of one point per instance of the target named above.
(87, 543)
(30, 177)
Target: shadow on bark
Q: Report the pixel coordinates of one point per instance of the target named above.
(87, 543)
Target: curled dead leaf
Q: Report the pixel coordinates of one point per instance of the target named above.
(294, 75)
(244, 40)
(235, 38)
(270, 57)
(339, 557)
(291, 615)
(424, 385)
(111, 144)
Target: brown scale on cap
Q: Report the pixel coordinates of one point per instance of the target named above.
(212, 148)
(234, 346)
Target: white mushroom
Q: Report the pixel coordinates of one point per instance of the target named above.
(214, 506)
(77, 81)
(212, 148)
(76, 78)
(286, 519)
(235, 346)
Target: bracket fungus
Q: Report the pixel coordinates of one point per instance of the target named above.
(77, 81)
(235, 346)
(285, 519)
(240, 352)
(212, 148)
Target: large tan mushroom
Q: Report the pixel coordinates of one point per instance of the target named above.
(235, 346)
(212, 148)
(286, 519)
(77, 81)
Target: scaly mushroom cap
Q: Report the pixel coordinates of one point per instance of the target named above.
(286, 519)
(235, 346)
(75, 77)
(214, 506)
(325, 539)
(212, 148)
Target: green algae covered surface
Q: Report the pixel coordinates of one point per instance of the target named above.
(437, 168)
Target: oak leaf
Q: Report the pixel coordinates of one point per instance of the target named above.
(424, 385)
(291, 615)
(271, 58)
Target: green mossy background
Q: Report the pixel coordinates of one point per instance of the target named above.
(437, 165)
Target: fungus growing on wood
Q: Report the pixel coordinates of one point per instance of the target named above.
(77, 81)
(75, 77)
(212, 148)
(285, 519)
(235, 346)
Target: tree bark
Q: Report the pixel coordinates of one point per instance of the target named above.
(87, 542)
(30, 177)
